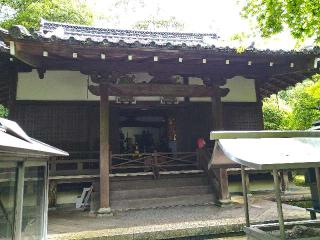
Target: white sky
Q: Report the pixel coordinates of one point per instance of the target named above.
(213, 16)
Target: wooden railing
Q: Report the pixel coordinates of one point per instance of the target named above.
(149, 161)
(80, 163)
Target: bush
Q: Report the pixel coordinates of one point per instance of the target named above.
(275, 116)
(4, 112)
(299, 180)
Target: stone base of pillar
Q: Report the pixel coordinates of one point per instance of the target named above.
(104, 212)
(224, 203)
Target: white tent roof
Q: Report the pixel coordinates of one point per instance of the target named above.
(267, 149)
(14, 140)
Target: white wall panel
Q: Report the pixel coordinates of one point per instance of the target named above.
(73, 86)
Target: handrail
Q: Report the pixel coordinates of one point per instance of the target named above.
(143, 162)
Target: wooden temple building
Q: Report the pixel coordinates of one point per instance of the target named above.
(130, 102)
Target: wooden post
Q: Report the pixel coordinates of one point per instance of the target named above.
(217, 120)
(19, 202)
(318, 178)
(104, 152)
(224, 186)
(247, 181)
(217, 112)
(155, 167)
(245, 194)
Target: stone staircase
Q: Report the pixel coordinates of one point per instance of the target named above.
(143, 192)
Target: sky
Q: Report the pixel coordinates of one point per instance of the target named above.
(211, 16)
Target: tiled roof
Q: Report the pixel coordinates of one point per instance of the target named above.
(88, 35)
(83, 33)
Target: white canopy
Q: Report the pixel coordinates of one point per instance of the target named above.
(14, 140)
(267, 149)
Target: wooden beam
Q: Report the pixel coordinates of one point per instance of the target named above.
(33, 55)
(271, 88)
(287, 79)
(276, 85)
(164, 90)
(32, 60)
(104, 152)
(266, 92)
(28, 59)
(284, 83)
(63, 48)
(190, 69)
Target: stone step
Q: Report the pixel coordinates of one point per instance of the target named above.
(158, 183)
(168, 191)
(147, 203)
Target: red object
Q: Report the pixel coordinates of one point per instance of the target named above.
(201, 143)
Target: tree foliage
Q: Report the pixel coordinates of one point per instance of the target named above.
(302, 17)
(3, 111)
(299, 106)
(305, 104)
(29, 12)
(276, 117)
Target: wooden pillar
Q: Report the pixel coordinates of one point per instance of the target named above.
(19, 201)
(217, 120)
(217, 112)
(318, 178)
(224, 185)
(186, 82)
(245, 183)
(259, 100)
(104, 151)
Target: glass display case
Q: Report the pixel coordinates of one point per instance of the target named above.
(23, 183)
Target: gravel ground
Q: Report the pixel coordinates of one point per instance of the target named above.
(158, 220)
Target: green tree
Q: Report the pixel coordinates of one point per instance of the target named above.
(276, 115)
(29, 12)
(301, 17)
(3, 111)
(305, 102)
(295, 108)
